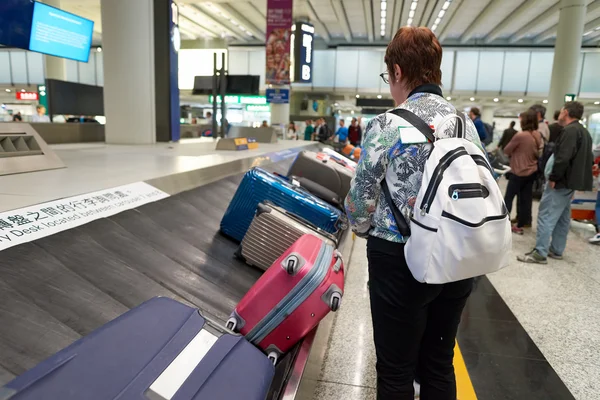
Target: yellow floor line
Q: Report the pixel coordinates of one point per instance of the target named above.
(464, 386)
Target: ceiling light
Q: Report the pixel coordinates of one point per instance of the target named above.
(382, 33)
(23, 90)
(438, 20)
(496, 99)
(336, 104)
(441, 14)
(382, 21)
(411, 14)
(434, 27)
(472, 99)
(383, 6)
(545, 101)
(379, 96)
(446, 5)
(99, 49)
(520, 100)
(597, 102)
(413, 6)
(352, 112)
(597, 29)
(448, 98)
(587, 33)
(7, 90)
(383, 14)
(358, 96)
(409, 22)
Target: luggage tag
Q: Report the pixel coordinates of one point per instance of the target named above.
(411, 135)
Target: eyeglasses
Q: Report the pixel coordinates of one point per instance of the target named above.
(385, 76)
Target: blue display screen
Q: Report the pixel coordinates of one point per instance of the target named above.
(60, 33)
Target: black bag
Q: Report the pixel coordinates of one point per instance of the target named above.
(489, 130)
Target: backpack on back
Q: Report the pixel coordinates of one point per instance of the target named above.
(460, 227)
(489, 130)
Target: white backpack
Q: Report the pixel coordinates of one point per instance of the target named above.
(460, 227)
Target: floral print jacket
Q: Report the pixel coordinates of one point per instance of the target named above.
(384, 156)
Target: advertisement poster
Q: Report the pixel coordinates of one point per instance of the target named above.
(279, 32)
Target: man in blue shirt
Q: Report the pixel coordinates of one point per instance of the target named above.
(475, 115)
(342, 132)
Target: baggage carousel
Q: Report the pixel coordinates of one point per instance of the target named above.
(59, 288)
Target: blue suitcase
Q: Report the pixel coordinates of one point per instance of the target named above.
(259, 186)
(160, 350)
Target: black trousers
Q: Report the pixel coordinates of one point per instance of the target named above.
(522, 187)
(414, 325)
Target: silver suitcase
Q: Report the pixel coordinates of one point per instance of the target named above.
(272, 232)
(323, 169)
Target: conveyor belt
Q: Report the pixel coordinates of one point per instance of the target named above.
(59, 288)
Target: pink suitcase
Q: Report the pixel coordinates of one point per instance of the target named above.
(291, 297)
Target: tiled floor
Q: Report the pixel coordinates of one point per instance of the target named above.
(558, 306)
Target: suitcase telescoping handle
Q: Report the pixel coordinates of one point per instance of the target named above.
(339, 262)
(303, 221)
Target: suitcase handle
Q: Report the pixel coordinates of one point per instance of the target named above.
(297, 218)
(338, 262)
(216, 327)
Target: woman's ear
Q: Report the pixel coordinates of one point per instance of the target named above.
(397, 74)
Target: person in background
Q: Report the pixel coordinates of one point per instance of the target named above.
(209, 116)
(291, 131)
(40, 115)
(354, 133)
(572, 170)
(342, 132)
(475, 115)
(555, 128)
(17, 117)
(414, 324)
(596, 173)
(265, 124)
(523, 150)
(323, 132)
(543, 125)
(507, 135)
(309, 130)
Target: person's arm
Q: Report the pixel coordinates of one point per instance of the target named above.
(513, 145)
(480, 129)
(359, 134)
(362, 198)
(565, 150)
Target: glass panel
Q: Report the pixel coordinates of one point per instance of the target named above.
(466, 70)
(72, 75)
(4, 67)
(590, 78)
(447, 70)
(238, 62)
(540, 72)
(35, 67)
(19, 66)
(369, 70)
(489, 75)
(514, 77)
(323, 71)
(100, 69)
(87, 71)
(346, 69)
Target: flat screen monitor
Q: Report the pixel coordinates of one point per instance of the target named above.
(203, 85)
(243, 84)
(59, 33)
(38, 27)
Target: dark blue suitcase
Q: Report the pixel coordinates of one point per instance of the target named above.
(161, 350)
(259, 186)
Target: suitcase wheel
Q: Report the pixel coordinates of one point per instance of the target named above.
(291, 265)
(273, 356)
(335, 302)
(232, 324)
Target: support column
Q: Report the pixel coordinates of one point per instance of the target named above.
(566, 52)
(141, 94)
(54, 67)
(280, 113)
(487, 114)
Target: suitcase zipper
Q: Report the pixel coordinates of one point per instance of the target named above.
(295, 298)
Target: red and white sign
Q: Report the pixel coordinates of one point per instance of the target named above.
(31, 96)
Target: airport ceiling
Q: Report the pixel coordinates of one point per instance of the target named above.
(372, 22)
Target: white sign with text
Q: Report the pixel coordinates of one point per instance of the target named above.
(35, 222)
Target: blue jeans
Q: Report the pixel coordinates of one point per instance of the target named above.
(554, 220)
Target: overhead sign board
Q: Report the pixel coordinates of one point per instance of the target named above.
(31, 96)
(278, 96)
(570, 97)
(302, 52)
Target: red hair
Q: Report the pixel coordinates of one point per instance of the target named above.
(418, 53)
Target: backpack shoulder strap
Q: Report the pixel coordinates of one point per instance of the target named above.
(415, 121)
(401, 223)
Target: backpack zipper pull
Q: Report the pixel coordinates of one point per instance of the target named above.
(423, 212)
(455, 195)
